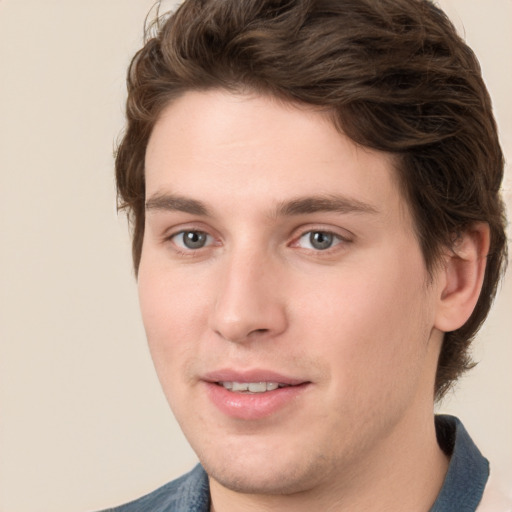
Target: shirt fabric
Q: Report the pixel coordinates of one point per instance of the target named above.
(462, 489)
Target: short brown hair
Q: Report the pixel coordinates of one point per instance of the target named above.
(394, 75)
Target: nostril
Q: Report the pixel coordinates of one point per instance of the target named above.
(241, 337)
(258, 332)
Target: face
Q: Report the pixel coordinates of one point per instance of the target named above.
(284, 295)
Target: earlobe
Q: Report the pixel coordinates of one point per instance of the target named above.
(461, 277)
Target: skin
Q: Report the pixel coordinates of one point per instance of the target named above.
(360, 321)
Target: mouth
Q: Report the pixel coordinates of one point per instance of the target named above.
(253, 394)
(251, 387)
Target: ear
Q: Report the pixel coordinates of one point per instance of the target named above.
(461, 277)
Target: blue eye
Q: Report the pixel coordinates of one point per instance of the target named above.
(318, 240)
(192, 240)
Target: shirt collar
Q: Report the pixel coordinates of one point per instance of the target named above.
(468, 470)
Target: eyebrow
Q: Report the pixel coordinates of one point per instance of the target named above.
(329, 203)
(297, 206)
(171, 202)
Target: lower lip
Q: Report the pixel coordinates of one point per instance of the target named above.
(253, 406)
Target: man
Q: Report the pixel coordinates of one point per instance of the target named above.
(318, 235)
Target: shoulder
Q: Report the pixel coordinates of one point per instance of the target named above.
(189, 492)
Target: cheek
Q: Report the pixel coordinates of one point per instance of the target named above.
(372, 324)
(169, 299)
(173, 313)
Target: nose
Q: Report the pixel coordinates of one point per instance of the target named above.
(249, 301)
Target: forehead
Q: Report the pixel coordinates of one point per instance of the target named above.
(219, 145)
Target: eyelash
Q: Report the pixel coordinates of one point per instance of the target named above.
(337, 240)
(187, 251)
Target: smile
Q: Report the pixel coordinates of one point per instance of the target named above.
(251, 387)
(246, 398)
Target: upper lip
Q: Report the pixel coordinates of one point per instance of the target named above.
(254, 375)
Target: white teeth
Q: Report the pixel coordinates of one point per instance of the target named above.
(239, 386)
(258, 387)
(251, 387)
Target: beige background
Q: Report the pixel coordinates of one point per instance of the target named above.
(83, 423)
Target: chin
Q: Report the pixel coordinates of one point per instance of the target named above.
(270, 482)
(270, 475)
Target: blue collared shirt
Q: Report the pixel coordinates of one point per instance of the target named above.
(462, 489)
